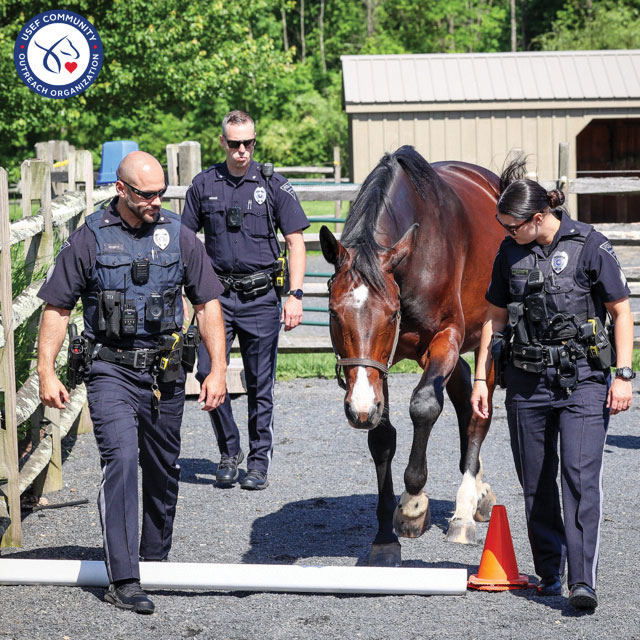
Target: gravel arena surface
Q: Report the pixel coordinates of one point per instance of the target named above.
(320, 510)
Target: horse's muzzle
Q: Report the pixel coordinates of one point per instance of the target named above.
(361, 420)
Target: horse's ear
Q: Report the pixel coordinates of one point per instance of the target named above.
(332, 250)
(400, 249)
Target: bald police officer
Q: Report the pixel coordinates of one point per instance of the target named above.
(240, 207)
(129, 263)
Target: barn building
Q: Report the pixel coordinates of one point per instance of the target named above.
(476, 107)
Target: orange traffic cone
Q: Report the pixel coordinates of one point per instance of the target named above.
(498, 567)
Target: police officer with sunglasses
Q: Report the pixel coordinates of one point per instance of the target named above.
(241, 204)
(128, 263)
(554, 282)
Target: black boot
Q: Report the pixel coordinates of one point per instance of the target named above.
(582, 596)
(255, 480)
(227, 471)
(128, 594)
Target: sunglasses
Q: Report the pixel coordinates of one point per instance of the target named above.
(235, 144)
(513, 228)
(145, 195)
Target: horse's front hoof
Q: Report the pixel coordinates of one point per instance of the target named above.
(412, 515)
(385, 555)
(485, 504)
(461, 532)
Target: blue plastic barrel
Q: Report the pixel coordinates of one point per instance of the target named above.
(112, 153)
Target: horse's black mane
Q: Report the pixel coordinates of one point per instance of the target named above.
(373, 197)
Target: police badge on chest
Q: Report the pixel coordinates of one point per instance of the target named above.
(559, 261)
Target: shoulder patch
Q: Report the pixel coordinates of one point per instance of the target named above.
(606, 246)
(65, 244)
(287, 188)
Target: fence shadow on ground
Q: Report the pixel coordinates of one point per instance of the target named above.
(326, 527)
(624, 442)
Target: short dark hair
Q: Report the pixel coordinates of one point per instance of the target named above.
(236, 117)
(521, 197)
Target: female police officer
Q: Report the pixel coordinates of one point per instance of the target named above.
(553, 281)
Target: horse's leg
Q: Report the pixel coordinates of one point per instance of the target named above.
(475, 499)
(385, 551)
(411, 517)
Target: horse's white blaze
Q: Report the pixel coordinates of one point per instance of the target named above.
(360, 296)
(363, 396)
(467, 498)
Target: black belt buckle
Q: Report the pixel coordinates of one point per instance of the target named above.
(140, 358)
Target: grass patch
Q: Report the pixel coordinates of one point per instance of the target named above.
(323, 365)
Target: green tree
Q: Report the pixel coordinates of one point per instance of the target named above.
(169, 68)
(604, 24)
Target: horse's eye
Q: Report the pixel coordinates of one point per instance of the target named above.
(332, 313)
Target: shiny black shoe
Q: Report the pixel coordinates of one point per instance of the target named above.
(551, 586)
(129, 595)
(582, 596)
(255, 480)
(227, 471)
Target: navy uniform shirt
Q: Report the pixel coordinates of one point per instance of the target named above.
(252, 247)
(599, 268)
(77, 257)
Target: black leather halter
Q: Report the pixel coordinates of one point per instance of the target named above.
(365, 362)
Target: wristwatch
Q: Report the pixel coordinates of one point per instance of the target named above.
(296, 293)
(626, 373)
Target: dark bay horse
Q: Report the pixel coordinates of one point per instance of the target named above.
(411, 272)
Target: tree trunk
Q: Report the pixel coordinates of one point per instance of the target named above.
(321, 36)
(452, 37)
(285, 38)
(303, 43)
(369, 18)
(513, 26)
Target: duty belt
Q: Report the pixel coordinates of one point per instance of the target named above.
(134, 358)
(556, 354)
(234, 281)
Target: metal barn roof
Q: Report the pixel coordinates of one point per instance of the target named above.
(491, 77)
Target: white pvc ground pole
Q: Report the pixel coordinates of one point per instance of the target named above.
(243, 577)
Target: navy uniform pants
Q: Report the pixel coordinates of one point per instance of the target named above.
(257, 325)
(129, 432)
(538, 412)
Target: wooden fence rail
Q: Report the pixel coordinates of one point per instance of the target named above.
(42, 470)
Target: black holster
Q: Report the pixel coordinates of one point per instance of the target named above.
(169, 362)
(500, 347)
(78, 356)
(191, 341)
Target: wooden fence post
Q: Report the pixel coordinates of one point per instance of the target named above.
(337, 177)
(563, 166)
(84, 173)
(44, 151)
(189, 161)
(54, 151)
(35, 180)
(183, 164)
(172, 174)
(51, 477)
(8, 428)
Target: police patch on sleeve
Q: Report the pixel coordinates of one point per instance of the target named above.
(161, 238)
(260, 195)
(606, 246)
(65, 244)
(287, 188)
